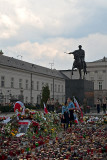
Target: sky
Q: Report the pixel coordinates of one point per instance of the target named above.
(40, 31)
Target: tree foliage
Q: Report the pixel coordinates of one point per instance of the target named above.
(45, 94)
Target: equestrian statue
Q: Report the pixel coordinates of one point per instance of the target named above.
(79, 61)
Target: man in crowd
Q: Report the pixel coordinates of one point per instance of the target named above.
(52, 105)
(85, 105)
(71, 108)
(98, 104)
(57, 105)
(48, 104)
(104, 104)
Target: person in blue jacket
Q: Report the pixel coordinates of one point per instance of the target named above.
(65, 116)
(71, 108)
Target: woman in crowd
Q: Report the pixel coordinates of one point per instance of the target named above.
(65, 116)
(104, 104)
(98, 104)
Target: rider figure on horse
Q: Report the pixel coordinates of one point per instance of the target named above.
(79, 59)
(79, 55)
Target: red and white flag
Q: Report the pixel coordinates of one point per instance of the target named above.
(45, 109)
(78, 106)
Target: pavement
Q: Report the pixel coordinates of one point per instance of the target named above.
(9, 114)
(101, 114)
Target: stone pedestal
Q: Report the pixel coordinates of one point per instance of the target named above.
(80, 88)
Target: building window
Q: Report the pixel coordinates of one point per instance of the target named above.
(12, 82)
(32, 84)
(100, 73)
(100, 85)
(2, 81)
(92, 78)
(92, 73)
(62, 89)
(55, 88)
(42, 84)
(32, 100)
(26, 84)
(26, 100)
(58, 88)
(46, 84)
(96, 71)
(104, 71)
(51, 87)
(20, 83)
(37, 85)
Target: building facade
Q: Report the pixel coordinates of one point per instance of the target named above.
(97, 72)
(23, 79)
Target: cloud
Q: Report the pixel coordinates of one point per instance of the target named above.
(41, 31)
(47, 19)
(53, 50)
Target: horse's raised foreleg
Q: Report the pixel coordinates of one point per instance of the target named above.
(72, 70)
(80, 73)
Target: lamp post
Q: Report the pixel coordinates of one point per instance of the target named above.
(1, 97)
(21, 94)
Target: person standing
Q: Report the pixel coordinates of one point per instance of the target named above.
(52, 105)
(98, 104)
(48, 104)
(104, 104)
(65, 116)
(19, 108)
(56, 105)
(71, 108)
(85, 105)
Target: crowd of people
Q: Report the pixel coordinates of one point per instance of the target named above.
(102, 104)
(52, 105)
(68, 113)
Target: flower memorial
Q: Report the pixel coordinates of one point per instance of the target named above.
(44, 138)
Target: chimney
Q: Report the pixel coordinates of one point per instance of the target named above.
(1, 52)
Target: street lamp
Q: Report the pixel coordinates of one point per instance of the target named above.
(1, 97)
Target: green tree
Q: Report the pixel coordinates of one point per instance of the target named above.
(45, 94)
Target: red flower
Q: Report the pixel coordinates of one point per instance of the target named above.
(35, 123)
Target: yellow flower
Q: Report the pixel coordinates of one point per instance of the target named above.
(45, 130)
(12, 134)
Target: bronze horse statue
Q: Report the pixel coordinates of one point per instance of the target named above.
(79, 61)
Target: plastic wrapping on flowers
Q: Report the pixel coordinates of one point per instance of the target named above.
(11, 128)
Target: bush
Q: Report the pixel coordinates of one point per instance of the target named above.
(11, 109)
(6, 109)
(45, 94)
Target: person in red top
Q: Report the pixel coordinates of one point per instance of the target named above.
(19, 108)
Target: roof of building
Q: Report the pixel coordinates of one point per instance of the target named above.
(64, 75)
(104, 59)
(22, 65)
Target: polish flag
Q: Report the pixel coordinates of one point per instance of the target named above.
(78, 106)
(45, 109)
(75, 119)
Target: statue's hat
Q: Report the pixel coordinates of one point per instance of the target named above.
(79, 46)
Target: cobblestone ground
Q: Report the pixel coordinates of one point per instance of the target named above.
(9, 114)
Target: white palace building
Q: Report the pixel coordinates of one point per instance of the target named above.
(23, 79)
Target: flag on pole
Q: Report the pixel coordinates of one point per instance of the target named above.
(75, 119)
(45, 109)
(78, 106)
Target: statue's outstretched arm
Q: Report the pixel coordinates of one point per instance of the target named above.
(69, 52)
